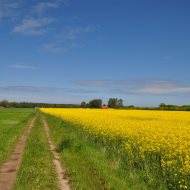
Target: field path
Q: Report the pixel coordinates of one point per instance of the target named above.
(8, 170)
(63, 183)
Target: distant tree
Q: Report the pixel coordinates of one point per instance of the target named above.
(162, 105)
(130, 107)
(96, 103)
(4, 103)
(112, 103)
(120, 103)
(115, 103)
(83, 104)
(47, 105)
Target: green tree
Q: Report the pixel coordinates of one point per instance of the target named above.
(4, 103)
(112, 103)
(120, 103)
(83, 104)
(162, 105)
(96, 103)
(115, 103)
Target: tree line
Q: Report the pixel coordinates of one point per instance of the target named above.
(98, 103)
(95, 103)
(7, 104)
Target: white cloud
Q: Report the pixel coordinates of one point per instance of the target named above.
(69, 39)
(142, 92)
(95, 83)
(160, 89)
(61, 48)
(22, 66)
(9, 8)
(44, 89)
(33, 26)
(152, 87)
(157, 87)
(74, 33)
(42, 7)
(39, 94)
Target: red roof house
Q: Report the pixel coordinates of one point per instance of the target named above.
(104, 107)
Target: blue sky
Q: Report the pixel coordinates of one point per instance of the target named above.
(67, 51)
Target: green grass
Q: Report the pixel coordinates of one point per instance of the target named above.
(37, 170)
(12, 124)
(91, 165)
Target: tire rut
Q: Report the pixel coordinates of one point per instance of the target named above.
(8, 171)
(63, 183)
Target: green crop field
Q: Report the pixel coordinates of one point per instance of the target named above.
(12, 124)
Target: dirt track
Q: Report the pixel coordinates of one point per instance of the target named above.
(8, 170)
(63, 183)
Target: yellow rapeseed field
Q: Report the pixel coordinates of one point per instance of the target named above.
(141, 134)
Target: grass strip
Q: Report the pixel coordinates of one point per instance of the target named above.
(90, 166)
(37, 171)
(12, 124)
